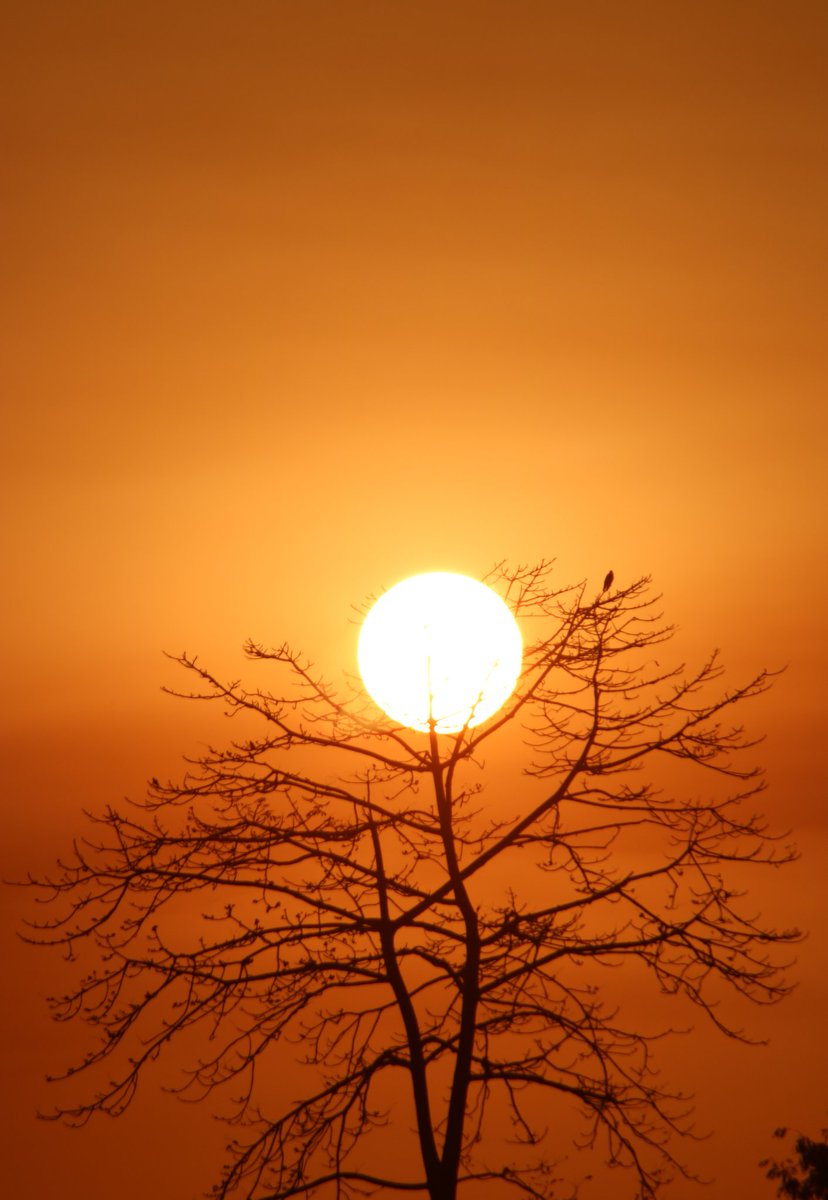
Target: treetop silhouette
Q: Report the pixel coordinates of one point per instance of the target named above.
(803, 1175)
(332, 887)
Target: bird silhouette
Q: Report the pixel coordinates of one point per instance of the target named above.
(610, 575)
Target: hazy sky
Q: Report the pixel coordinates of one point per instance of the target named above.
(305, 297)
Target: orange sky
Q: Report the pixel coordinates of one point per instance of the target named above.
(305, 297)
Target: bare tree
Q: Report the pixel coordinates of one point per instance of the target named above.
(337, 882)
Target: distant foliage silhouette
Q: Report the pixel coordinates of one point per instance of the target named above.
(805, 1176)
(333, 888)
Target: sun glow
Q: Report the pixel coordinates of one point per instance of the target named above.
(442, 648)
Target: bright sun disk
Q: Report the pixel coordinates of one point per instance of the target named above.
(440, 647)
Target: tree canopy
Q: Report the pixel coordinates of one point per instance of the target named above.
(803, 1175)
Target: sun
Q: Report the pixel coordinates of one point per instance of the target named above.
(440, 648)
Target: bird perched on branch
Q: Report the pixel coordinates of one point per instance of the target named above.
(610, 575)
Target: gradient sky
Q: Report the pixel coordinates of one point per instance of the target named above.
(306, 297)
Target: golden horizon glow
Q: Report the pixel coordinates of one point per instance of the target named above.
(440, 647)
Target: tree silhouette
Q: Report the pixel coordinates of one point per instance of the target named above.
(333, 888)
(803, 1178)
